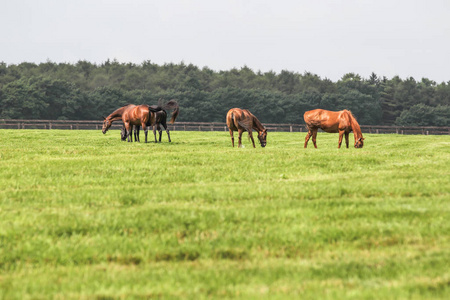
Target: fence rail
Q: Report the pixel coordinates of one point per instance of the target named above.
(204, 126)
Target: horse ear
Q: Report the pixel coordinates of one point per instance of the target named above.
(103, 118)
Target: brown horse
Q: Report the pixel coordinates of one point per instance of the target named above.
(241, 120)
(342, 122)
(158, 118)
(137, 115)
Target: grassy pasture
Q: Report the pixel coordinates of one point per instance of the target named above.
(84, 215)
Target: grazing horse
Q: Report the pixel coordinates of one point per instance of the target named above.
(241, 120)
(342, 122)
(114, 116)
(137, 115)
(123, 133)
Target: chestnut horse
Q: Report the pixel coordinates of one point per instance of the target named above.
(241, 120)
(114, 116)
(342, 122)
(158, 118)
(130, 114)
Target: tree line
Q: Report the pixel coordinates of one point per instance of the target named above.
(86, 91)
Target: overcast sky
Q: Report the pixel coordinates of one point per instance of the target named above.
(324, 37)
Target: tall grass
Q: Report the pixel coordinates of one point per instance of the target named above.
(84, 215)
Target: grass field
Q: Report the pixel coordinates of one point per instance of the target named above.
(84, 215)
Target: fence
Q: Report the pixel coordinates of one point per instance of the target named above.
(203, 126)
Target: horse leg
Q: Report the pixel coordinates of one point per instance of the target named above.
(341, 135)
(240, 131)
(145, 130)
(128, 127)
(346, 138)
(154, 133)
(160, 132)
(232, 137)
(314, 137)
(308, 136)
(136, 133)
(166, 128)
(250, 134)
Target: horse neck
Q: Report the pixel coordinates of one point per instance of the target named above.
(257, 124)
(117, 114)
(355, 128)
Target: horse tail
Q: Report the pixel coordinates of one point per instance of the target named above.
(154, 108)
(172, 104)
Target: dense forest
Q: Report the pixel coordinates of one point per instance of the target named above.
(86, 91)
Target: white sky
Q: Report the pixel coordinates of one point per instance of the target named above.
(325, 37)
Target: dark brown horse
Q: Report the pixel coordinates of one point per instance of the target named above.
(137, 115)
(159, 118)
(342, 122)
(241, 120)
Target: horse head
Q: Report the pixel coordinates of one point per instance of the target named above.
(106, 124)
(359, 143)
(123, 133)
(262, 136)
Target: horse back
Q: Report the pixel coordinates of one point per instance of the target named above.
(328, 121)
(136, 115)
(239, 119)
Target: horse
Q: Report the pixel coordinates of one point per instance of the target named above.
(158, 118)
(114, 116)
(241, 120)
(130, 114)
(342, 122)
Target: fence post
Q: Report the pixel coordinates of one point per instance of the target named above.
(290, 128)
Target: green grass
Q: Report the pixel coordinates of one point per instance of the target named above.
(84, 215)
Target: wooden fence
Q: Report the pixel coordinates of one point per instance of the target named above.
(202, 126)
